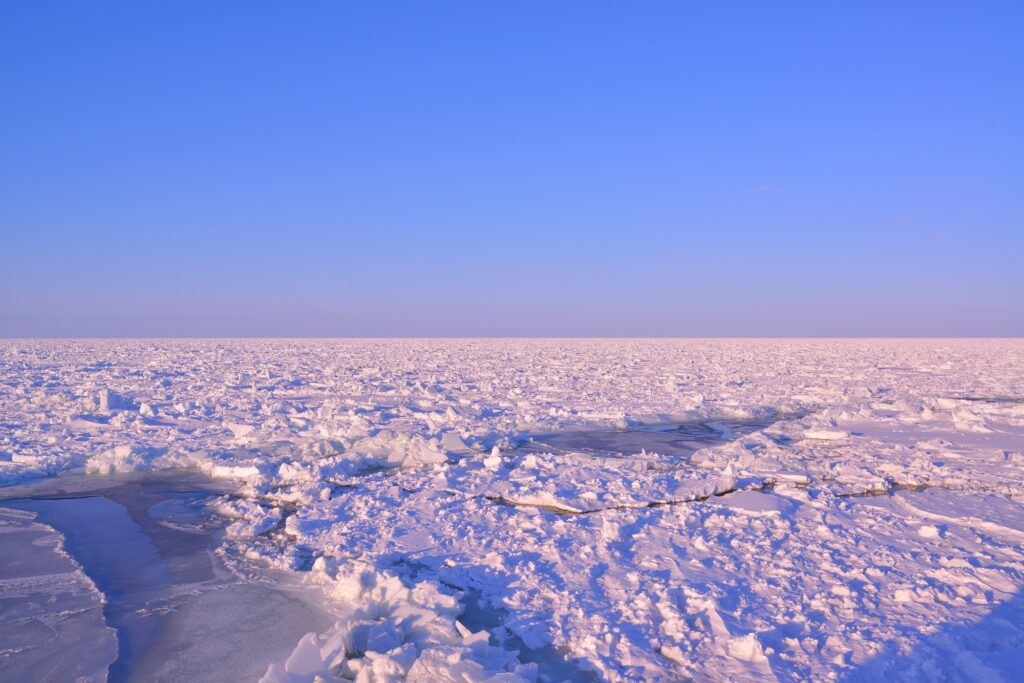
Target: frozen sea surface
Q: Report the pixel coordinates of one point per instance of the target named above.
(670, 439)
(623, 510)
(146, 545)
(52, 626)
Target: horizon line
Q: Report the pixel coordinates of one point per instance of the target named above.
(521, 338)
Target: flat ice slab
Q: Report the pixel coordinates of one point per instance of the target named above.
(51, 614)
(142, 546)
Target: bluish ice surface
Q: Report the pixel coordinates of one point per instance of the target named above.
(672, 439)
(178, 614)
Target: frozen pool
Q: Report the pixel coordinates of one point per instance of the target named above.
(672, 439)
(170, 610)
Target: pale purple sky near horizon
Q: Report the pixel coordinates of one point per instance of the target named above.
(457, 169)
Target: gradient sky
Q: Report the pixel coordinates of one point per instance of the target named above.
(519, 169)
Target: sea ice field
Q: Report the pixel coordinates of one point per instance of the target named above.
(292, 511)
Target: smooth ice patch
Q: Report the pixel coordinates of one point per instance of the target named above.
(51, 614)
(177, 612)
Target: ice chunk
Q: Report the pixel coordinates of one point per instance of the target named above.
(825, 434)
(108, 400)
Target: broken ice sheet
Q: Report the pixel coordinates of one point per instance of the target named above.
(836, 508)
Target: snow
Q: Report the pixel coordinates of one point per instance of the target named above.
(825, 434)
(616, 510)
(392, 631)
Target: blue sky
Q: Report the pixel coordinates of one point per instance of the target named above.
(512, 169)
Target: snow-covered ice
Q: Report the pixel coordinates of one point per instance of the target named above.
(618, 510)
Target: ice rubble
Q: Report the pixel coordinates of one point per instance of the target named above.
(883, 521)
(393, 632)
(579, 484)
